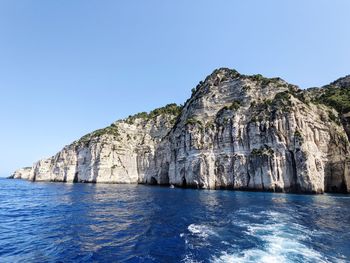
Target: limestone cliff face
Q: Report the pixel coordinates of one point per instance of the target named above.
(235, 132)
(117, 154)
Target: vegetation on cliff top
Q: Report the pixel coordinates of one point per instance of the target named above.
(263, 81)
(332, 95)
(226, 74)
(170, 109)
(218, 75)
(110, 130)
(338, 98)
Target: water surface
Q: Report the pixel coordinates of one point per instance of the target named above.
(56, 222)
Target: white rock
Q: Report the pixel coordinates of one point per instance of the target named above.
(235, 132)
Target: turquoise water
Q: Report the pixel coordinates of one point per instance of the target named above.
(55, 222)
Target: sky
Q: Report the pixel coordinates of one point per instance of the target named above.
(68, 67)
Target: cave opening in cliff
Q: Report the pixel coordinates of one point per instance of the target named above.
(184, 183)
(75, 179)
(153, 181)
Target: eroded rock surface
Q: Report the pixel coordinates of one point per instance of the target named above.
(235, 132)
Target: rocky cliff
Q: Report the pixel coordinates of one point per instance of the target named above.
(235, 132)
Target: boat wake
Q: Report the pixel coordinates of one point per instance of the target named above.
(278, 240)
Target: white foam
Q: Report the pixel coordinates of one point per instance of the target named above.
(281, 242)
(277, 249)
(189, 259)
(253, 255)
(200, 230)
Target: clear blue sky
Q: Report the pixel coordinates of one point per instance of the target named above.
(71, 66)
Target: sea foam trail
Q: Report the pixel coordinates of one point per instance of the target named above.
(280, 241)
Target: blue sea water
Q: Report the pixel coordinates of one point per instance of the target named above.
(56, 222)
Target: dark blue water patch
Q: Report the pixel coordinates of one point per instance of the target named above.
(56, 222)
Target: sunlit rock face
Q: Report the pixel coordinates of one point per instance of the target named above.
(23, 173)
(235, 132)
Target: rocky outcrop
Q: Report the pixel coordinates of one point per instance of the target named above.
(235, 132)
(23, 173)
(337, 96)
(119, 153)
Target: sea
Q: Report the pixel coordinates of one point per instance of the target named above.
(62, 222)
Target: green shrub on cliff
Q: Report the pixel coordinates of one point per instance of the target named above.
(284, 96)
(110, 130)
(235, 105)
(282, 101)
(265, 150)
(334, 118)
(264, 81)
(298, 135)
(193, 121)
(338, 98)
(170, 109)
(267, 103)
(343, 138)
